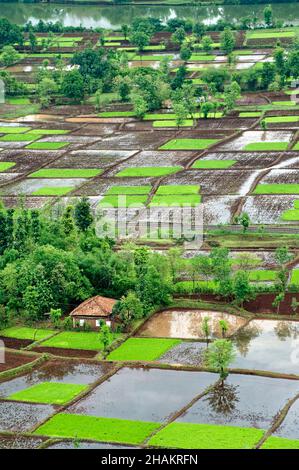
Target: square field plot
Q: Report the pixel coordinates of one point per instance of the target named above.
(267, 209)
(21, 442)
(120, 201)
(56, 371)
(190, 353)
(22, 332)
(265, 138)
(266, 345)
(4, 166)
(76, 340)
(244, 401)
(146, 394)
(175, 200)
(62, 191)
(146, 172)
(213, 164)
(21, 417)
(65, 173)
(189, 144)
(280, 443)
(177, 189)
(48, 186)
(128, 190)
(142, 349)
(97, 428)
(277, 188)
(203, 436)
(47, 145)
(14, 129)
(49, 392)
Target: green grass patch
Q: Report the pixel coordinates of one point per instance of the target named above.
(157, 47)
(290, 215)
(296, 146)
(77, 340)
(49, 392)
(114, 38)
(278, 119)
(266, 146)
(295, 277)
(98, 429)
(151, 58)
(129, 190)
(142, 349)
(280, 443)
(23, 332)
(270, 34)
(176, 200)
(284, 103)
(118, 200)
(201, 57)
(277, 188)
(262, 275)
(13, 130)
(199, 286)
(213, 164)
(250, 114)
(188, 144)
(178, 189)
(49, 131)
(206, 436)
(148, 171)
(116, 114)
(53, 191)
(6, 166)
(19, 137)
(164, 123)
(19, 101)
(47, 145)
(66, 173)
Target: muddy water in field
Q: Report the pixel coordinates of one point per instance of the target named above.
(290, 426)
(56, 371)
(188, 324)
(268, 345)
(187, 353)
(21, 417)
(143, 394)
(244, 401)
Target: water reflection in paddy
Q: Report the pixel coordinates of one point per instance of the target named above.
(188, 324)
(268, 345)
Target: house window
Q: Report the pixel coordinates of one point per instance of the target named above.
(81, 322)
(97, 323)
(108, 323)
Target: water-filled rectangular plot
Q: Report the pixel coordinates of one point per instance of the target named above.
(21, 417)
(143, 394)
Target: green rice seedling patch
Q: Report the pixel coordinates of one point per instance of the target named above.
(118, 200)
(270, 34)
(142, 349)
(20, 137)
(280, 443)
(278, 119)
(185, 123)
(98, 429)
(178, 189)
(284, 103)
(201, 57)
(23, 332)
(188, 144)
(295, 277)
(66, 173)
(206, 436)
(266, 146)
(49, 392)
(13, 129)
(290, 215)
(116, 114)
(277, 189)
(19, 101)
(262, 275)
(52, 191)
(213, 164)
(296, 146)
(49, 131)
(6, 165)
(47, 145)
(77, 340)
(148, 171)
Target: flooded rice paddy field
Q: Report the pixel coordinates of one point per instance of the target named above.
(157, 395)
(111, 147)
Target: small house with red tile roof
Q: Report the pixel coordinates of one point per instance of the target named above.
(93, 312)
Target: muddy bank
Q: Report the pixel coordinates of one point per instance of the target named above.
(13, 360)
(66, 352)
(14, 343)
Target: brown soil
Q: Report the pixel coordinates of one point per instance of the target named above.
(13, 360)
(66, 352)
(263, 304)
(13, 343)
